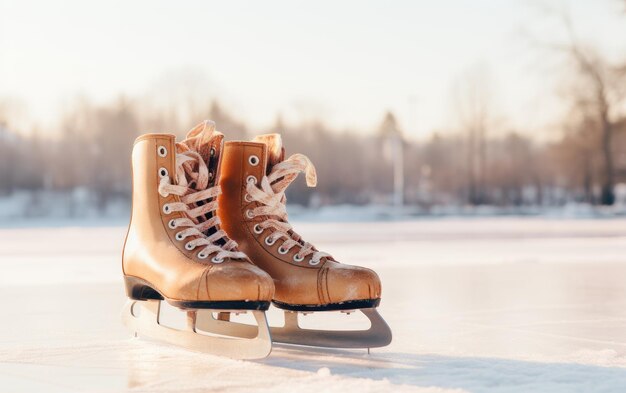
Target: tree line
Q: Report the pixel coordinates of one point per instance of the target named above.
(92, 152)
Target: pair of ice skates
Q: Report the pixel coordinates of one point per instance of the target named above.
(189, 200)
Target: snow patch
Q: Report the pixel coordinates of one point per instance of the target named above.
(323, 372)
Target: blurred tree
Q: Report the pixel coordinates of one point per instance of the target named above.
(473, 105)
(8, 158)
(598, 90)
(115, 130)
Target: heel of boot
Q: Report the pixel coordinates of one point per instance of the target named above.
(138, 289)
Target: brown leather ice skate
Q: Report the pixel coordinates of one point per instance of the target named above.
(252, 209)
(176, 251)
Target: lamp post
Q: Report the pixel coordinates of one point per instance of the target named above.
(395, 147)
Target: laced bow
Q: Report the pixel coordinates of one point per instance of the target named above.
(271, 196)
(192, 180)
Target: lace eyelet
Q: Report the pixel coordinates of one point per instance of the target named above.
(217, 260)
(282, 251)
(167, 209)
(251, 179)
(249, 214)
(189, 246)
(257, 229)
(202, 255)
(212, 152)
(247, 198)
(172, 224)
(162, 151)
(163, 172)
(179, 236)
(210, 175)
(313, 263)
(270, 241)
(298, 258)
(253, 160)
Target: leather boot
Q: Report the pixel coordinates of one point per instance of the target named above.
(252, 209)
(175, 249)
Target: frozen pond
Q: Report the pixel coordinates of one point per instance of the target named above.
(478, 305)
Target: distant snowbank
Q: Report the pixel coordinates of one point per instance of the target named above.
(352, 213)
(79, 208)
(56, 209)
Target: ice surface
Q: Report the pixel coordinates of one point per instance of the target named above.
(478, 305)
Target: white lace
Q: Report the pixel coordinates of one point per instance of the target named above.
(190, 191)
(271, 195)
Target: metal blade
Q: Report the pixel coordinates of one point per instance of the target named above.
(142, 317)
(378, 335)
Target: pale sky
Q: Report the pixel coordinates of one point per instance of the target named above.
(345, 61)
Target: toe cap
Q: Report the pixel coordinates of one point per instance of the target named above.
(237, 281)
(346, 282)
